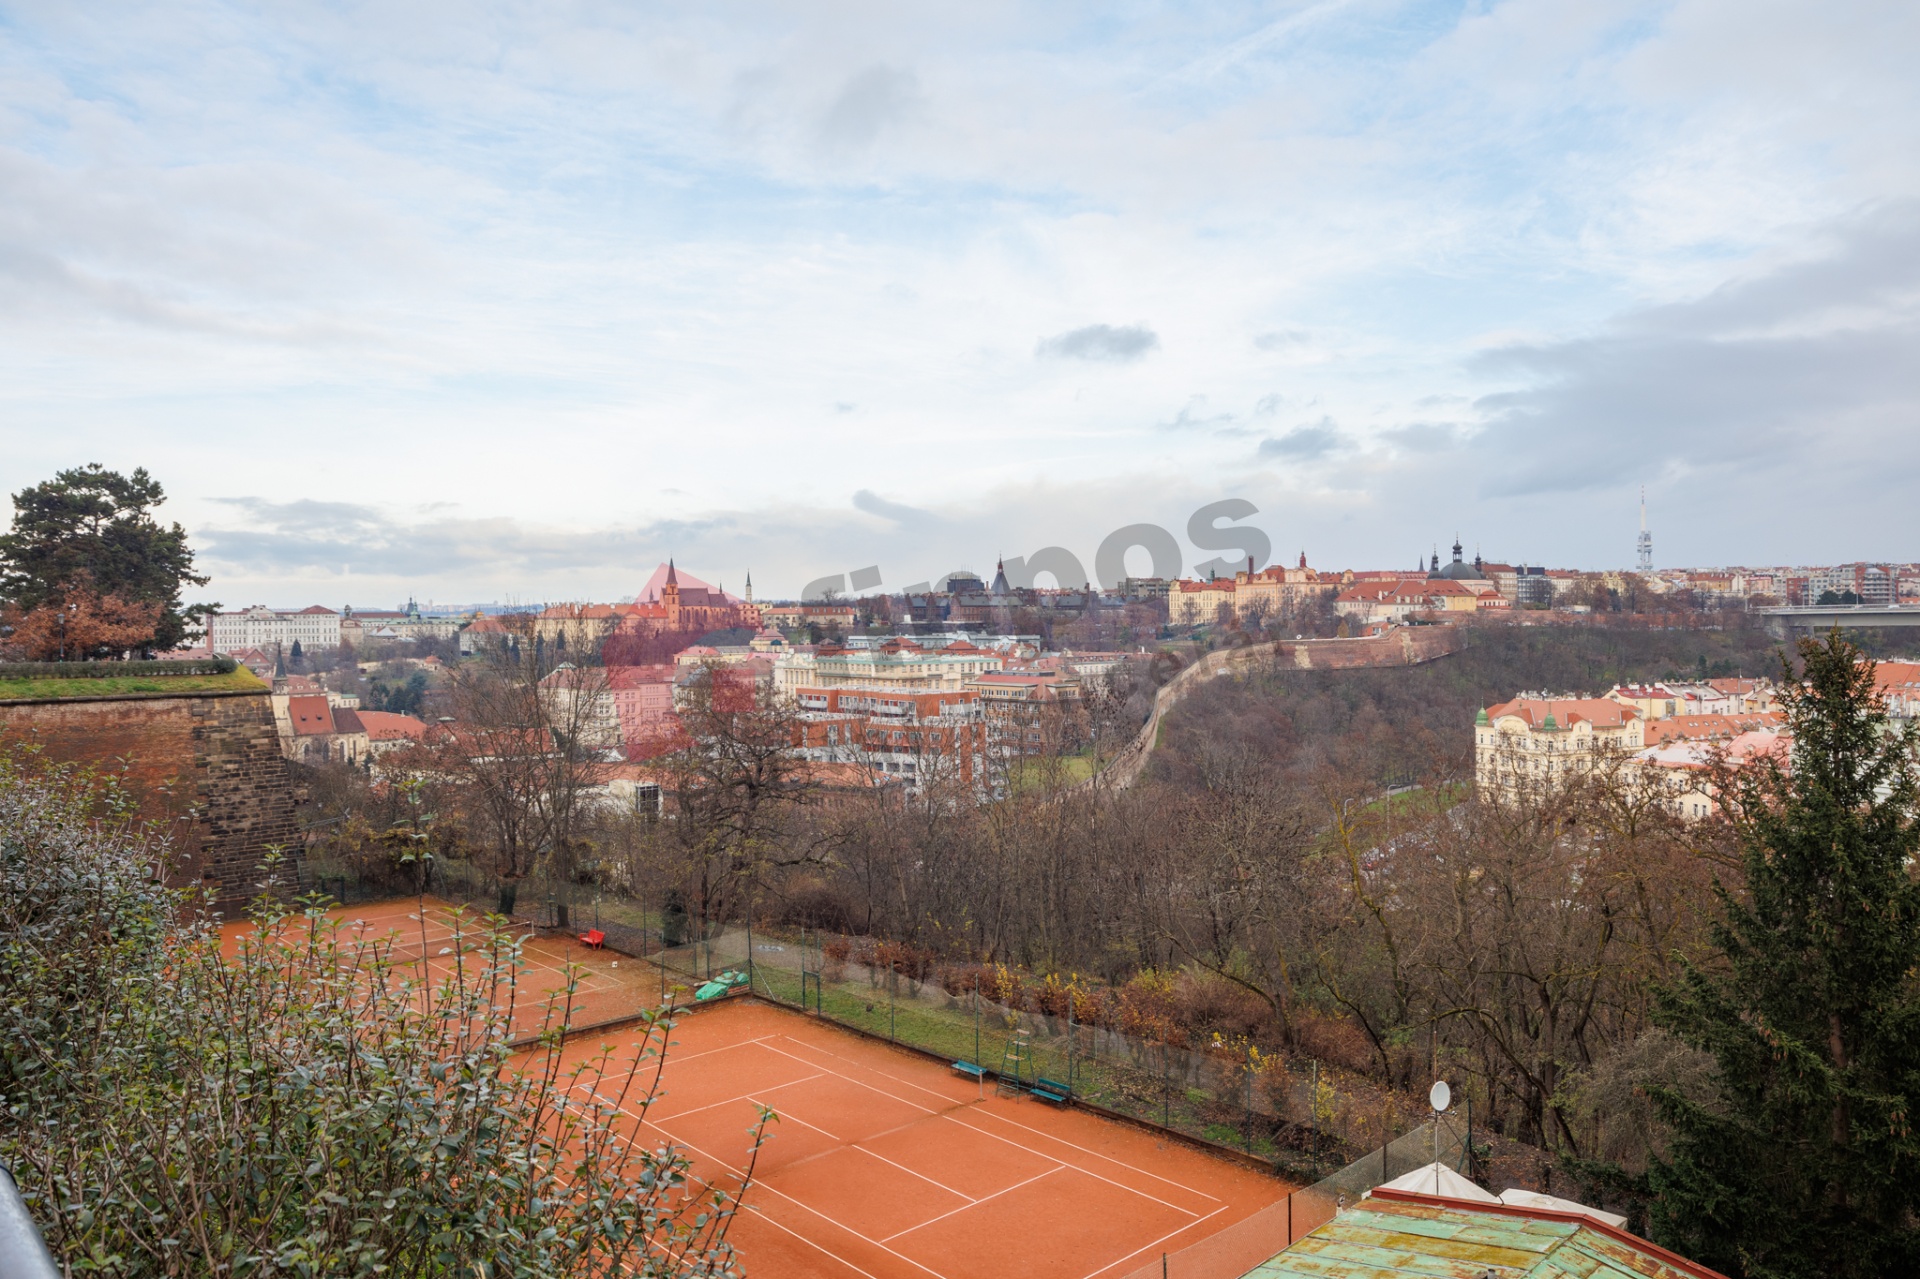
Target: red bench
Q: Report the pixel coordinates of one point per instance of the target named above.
(593, 939)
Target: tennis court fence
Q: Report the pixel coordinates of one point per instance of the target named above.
(1282, 1112)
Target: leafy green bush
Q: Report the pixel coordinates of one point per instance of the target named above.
(303, 1104)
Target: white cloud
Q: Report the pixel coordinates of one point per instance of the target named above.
(614, 280)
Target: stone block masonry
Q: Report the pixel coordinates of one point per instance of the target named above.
(207, 765)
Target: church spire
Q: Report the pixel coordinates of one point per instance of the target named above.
(673, 578)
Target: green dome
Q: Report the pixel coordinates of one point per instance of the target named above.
(1549, 721)
(1481, 718)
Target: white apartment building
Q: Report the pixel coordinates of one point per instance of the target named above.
(262, 628)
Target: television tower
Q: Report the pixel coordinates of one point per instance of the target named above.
(1646, 538)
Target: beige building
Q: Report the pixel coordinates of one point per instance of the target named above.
(1712, 697)
(1681, 771)
(575, 628)
(897, 664)
(1278, 590)
(1652, 701)
(359, 627)
(580, 703)
(1539, 741)
(1391, 601)
(1031, 711)
(1200, 603)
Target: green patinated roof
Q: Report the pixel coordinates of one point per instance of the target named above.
(1384, 1239)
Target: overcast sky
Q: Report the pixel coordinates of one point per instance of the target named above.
(491, 301)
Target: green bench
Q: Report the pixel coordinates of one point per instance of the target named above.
(970, 1070)
(1052, 1090)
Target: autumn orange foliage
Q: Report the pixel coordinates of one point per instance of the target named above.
(79, 623)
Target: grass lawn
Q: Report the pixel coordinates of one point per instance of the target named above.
(1416, 799)
(238, 680)
(1032, 774)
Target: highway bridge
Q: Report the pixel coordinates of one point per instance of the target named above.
(1824, 617)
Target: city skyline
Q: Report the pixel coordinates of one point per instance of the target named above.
(490, 304)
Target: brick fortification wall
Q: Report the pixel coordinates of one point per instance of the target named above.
(208, 764)
(1403, 646)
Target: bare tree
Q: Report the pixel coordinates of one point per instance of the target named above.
(742, 801)
(522, 754)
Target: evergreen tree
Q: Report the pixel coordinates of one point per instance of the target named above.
(1807, 1163)
(96, 526)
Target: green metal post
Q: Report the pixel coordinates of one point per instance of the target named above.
(1248, 1141)
(1313, 1112)
(1166, 1089)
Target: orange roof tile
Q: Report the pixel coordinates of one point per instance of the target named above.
(310, 716)
(1598, 711)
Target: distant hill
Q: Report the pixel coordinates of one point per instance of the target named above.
(1404, 724)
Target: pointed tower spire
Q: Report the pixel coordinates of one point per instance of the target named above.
(673, 578)
(749, 586)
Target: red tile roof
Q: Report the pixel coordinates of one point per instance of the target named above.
(624, 677)
(386, 726)
(1674, 727)
(310, 716)
(1598, 711)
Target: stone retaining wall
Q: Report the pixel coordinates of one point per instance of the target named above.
(207, 764)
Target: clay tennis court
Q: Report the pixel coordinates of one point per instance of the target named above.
(882, 1163)
(887, 1165)
(608, 986)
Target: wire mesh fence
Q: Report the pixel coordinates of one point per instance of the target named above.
(1246, 1243)
(1228, 1095)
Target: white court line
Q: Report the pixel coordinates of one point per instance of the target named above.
(827, 1052)
(803, 1123)
(1105, 1158)
(930, 1181)
(814, 1244)
(804, 1207)
(838, 1225)
(995, 1195)
(681, 1114)
(708, 1052)
(1156, 1243)
(1198, 1218)
(1094, 1154)
(860, 1082)
(1077, 1168)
